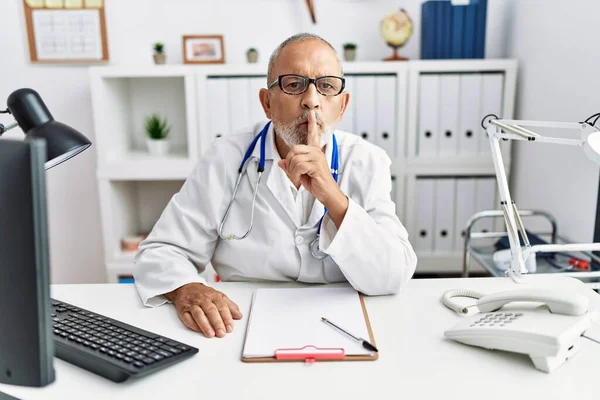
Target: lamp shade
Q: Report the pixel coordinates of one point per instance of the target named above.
(33, 117)
(591, 147)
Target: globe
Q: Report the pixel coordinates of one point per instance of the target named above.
(396, 28)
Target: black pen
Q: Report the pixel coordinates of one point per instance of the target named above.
(364, 343)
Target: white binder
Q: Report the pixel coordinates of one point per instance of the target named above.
(256, 111)
(491, 103)
(449, 106)
(485, 199)
(394, 192)
(218, 107)
(386, 112)
(470, 115)
(428, 137)
(364, 87)
(465, 208)
(347, 122)
(424, 216)
(239, 104)
(443, 241)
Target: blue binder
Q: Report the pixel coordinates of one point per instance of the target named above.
(446, 29)
(429, 29)
(458, 19)
(481, 29)
(469, 31)
(449, 31)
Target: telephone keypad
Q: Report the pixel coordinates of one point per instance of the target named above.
(493, 319)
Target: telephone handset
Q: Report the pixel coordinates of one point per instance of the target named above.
(549, 333)
(558, 302)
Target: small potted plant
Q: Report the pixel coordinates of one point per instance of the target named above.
(159, 53)
(349, 51)
(158, 132)
(252, 55)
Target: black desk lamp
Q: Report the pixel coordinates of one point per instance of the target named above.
(26, 341)
(33, 117)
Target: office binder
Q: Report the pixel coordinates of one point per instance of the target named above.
(385, 114)
(424, 215)
(347, 122)
(256, 111)
(364, 87)
(449, 99)
(465, 208)
(218, 107)
(284, 326)
(239, 106)
(443, 241)
(429, 106)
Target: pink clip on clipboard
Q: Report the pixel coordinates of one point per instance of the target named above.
(309, 354)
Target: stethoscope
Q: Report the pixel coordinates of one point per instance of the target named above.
(335, 163)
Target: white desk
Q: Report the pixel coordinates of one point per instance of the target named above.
(415, 360)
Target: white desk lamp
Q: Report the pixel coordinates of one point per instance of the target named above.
(504, 129)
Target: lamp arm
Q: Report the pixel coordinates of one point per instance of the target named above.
(5, 128)
(514, 130)
(551, 248)
(511, 215)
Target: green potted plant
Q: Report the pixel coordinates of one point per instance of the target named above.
(252, 55)
(159, 53)
(349, 51)
(157, 132)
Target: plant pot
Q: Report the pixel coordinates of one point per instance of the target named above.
(252, 56)
(349, 54)
(158, 147)
(160, 58)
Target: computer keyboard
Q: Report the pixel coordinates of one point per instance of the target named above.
(111, 348)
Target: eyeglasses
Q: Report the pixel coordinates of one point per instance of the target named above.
(297, 84)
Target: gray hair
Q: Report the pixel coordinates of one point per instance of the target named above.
(297, 38)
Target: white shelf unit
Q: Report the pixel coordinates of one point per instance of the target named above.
(204, 102)
(448, 159)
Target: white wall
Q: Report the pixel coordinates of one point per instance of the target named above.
(133, 25)
(556, 43)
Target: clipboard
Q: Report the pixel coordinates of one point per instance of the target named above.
(309, 353)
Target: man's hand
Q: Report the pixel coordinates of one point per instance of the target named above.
(307, 166)
(204, 309)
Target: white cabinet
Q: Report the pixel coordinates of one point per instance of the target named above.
(426, 115)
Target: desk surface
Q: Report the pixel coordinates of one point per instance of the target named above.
(415, 359)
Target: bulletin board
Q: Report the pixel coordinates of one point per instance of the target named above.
(66, 31)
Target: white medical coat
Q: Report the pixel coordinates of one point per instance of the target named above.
(370, 249)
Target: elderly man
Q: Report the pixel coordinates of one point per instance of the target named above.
(311, 204)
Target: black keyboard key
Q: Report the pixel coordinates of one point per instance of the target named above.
(171, 349)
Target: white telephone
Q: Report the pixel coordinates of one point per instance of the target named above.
(549, 333)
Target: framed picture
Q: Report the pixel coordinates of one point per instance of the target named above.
(203, 49)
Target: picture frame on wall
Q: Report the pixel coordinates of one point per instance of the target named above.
(203, 49)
